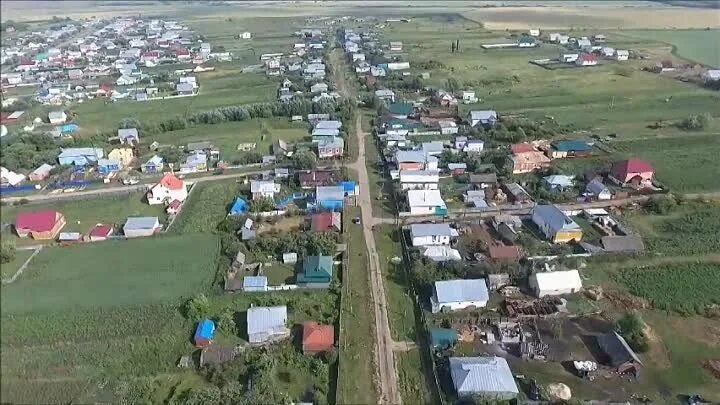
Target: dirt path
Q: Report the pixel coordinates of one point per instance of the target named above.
(24, 266)
(387, 373)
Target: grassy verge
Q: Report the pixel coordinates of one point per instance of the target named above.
(414, 388)
(357, 377)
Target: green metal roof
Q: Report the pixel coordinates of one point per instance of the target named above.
(316, 269)
(400, 108)
(571, 145)
(442, 337)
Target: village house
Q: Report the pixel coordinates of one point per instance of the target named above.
(57, 117)
(555, 225)
(457, 169)
(124, 156)
(586, 59)
(526, 41)
(79, 156)
(432, 234)
(263, 189)
(330, 197)
(419, 179)
(415, 160)
(326, 222)
(169, 189)
(558, 182)
(267, 324)
(485, 377)
(553, 283)
(317, 338)
(426, 202)
(100, 232)
(474, 146)
(483, 180)
(569, 148)
(141, 226)
(453, 295)
(154, 165)
(596, 190)
(400, 110)
(316, 272)
(385, 95)
(40, 225)
(331, 147)
(525, 158)
(107, 166)
(486, 118)
(128, 136)
(41, 173)
(635, 172)
(195, 162)
(447, 127)
(468, 97)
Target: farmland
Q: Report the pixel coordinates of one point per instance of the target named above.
(695, 45)
(666, 287)
(93, 275)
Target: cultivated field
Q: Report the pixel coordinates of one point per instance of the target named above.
(700, 46)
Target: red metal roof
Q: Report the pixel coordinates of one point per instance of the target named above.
(171, 182)
(101, 231)
(322, 221)
(38, 221)
(621, 169)
(588, 57)
(317, 337)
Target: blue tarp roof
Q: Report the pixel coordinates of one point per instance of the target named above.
(205, 329)
(348, 186)
(238, 207)
(68, 128)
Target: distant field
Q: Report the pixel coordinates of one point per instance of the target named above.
(83, 214)
(701, 46)
(226, 136)
(126, 272)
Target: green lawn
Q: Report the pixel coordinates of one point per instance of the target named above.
(9, 268)
(226, 136)
(414, 388)
(125, 272)
(356, 375)
(83, 214)
(279, 273)
(400, 305)
(700, 46)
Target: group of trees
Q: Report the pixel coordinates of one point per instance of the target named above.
(632, 328)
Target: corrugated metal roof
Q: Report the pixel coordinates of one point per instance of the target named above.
(558, 280)
(625, 243)
(266, 319)
(254, 282)
(326, 193)
(141, 223)
(461, 290)
(420, 230)
(554, 218)
(482, 375)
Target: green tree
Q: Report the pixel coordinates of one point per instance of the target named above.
(7, 250)
(129, 122)
(197, 308)
(261, 205)
(304, 160)
(630, 326)
(226, 322)
(452, 85)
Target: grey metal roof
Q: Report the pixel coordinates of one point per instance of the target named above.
(266, 319)
(328, 125)
(483, 115)
(554, 218)
(617, 349)
(410, 156)
(125, 133)
(461, 290)
(254, 282)
(596, 187)
(626, 243)
(482, 375)
(140, 223)
(325, 193)
(420, 230)
(559, 180)
(433, 147)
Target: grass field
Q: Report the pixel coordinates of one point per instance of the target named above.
(83, 214)
(207, 206)
(228, 135)
(219, 88)
(699, 46)
(9, 268)
(356, 378)
(127, 272)
(414, 389)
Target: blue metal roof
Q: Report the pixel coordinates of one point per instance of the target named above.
(205, 329)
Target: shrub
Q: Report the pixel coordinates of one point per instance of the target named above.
(695, 122)
(630, 327)
(197, 307)
(7, 251)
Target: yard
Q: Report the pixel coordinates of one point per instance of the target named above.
(83, 214)
(206, 207)
(228, 135)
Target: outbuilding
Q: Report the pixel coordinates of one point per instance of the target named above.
(141, 226)
(204, 333)
(555, 283)
(459, 294)
(487, 377)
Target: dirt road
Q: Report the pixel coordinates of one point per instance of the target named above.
(385, 361)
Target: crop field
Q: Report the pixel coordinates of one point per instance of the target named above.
(207, 206)
(690, 230)
(666, 287)
(700, 46)
(83, 214)
(217, 89)
(112, 273)
(226, 136)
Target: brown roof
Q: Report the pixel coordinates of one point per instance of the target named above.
(504, 252)
(318, 177)
(316, 337)
(325, 221)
